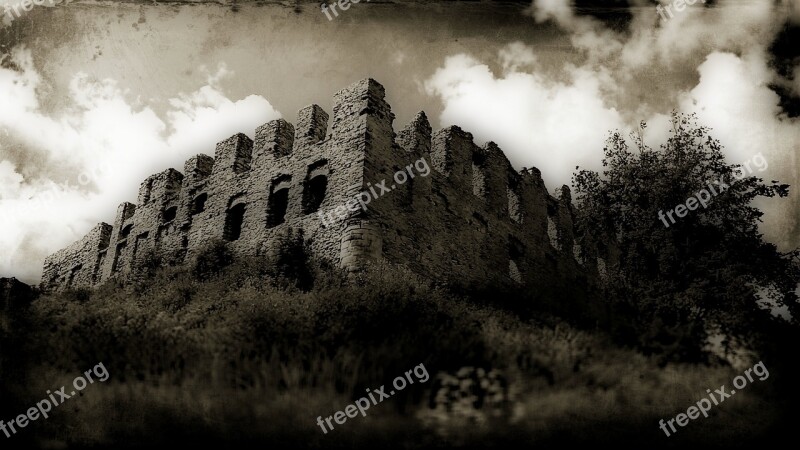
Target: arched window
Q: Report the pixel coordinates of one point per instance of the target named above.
(278, 202)
(233, 222)
(199, 203)
(315, 186)
(170, 214)
(315, 193)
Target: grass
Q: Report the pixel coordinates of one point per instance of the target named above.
(240, 356)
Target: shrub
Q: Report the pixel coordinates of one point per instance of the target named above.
(292, 261)
(211, 260)
(77, 295)
(185, 350)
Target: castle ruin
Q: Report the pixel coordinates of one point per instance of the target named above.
(473, 221)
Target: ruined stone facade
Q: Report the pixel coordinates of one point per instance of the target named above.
(473, 220)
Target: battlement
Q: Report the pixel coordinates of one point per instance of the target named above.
(274, 139)
(233, 155)
(470, 219)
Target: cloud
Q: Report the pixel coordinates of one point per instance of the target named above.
(734, 99)
(10, 180)
(63, 171)
(515, 56)
(553, 125)
(664, 38)
(712, 61)
(206, 116)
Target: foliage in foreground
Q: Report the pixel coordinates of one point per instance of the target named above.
(241, 353)
(708, 270)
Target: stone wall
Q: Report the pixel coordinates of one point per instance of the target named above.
(472, 220)
(78, 265)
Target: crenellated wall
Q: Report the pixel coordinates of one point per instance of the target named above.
(473, 220)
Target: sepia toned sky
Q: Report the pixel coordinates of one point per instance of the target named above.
(96, 96)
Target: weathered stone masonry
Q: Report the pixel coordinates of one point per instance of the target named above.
(473, 221)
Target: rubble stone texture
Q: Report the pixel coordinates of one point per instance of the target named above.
(473, 221)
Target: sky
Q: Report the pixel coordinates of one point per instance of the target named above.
(96, 96)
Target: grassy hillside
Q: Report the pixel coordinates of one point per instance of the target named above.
(247, 353)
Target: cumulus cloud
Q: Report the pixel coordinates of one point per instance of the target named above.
(734, 99)
(712, 61)
(553, 125)
(63, 171)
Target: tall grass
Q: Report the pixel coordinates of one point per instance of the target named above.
(237, 354)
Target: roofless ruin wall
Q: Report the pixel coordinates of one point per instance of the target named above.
(469, 218)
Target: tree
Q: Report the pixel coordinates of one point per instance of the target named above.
(703, 269)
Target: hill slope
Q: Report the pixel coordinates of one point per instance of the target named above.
(238, 354)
